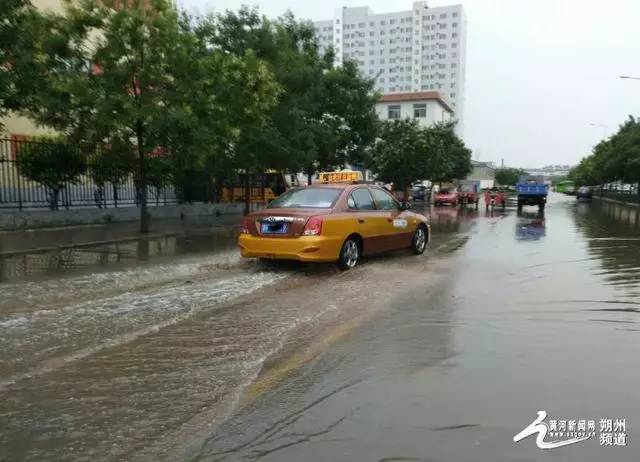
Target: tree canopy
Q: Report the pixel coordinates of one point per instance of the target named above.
(404, 152)
(508, 176)
(21, 34)
(616, 158)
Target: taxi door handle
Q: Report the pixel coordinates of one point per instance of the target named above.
(360, 220)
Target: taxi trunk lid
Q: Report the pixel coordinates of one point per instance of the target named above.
(281, 223)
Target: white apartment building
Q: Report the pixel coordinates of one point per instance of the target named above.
(422, 49)
(427, 107)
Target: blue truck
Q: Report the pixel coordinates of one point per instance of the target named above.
(532, 190)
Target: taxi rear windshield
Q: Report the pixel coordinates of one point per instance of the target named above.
(307, 198)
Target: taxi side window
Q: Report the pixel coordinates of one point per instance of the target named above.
(384, 200)
(360, 199)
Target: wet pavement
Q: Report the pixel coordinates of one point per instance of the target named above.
(195, 355)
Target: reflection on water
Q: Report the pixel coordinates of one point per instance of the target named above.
(451, 219)
(612, 232)
(530, 226)
(42, 263)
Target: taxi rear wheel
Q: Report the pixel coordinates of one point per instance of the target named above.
(419, 241)
(350, 253)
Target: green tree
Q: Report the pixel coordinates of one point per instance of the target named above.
(584, 173)
(21, 31)
(616, 158)
(448, 157)
(160, 174)
(141, 74)
(325, 115)
(51, 163)
(508, 176)
(348, 101)
(399, 155)
(112, 163)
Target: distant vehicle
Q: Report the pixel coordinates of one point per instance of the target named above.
(338, 221)
(532, 190)
(495, 197)
(565, 187)
(264, 188)
(420, 192)
(446, 196)
(469, 192)
(585, 193)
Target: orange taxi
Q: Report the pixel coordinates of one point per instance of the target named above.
(339, 220)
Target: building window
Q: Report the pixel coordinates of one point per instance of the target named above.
(420, 110)
(393, 112)
(454, 25)
(455, 15)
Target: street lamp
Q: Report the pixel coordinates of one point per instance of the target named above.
(629, 77)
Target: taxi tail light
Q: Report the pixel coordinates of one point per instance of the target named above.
(313, 227)
(244, 226)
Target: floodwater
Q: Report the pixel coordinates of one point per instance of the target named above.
(172, 348)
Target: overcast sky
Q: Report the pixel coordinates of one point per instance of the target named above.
(539, 73)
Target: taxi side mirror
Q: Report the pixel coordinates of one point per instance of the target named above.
(405, 206)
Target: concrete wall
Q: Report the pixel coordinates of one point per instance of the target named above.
(483, 173)
(16, 220)
(435, 112)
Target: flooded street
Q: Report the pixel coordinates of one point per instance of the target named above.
(172, 348)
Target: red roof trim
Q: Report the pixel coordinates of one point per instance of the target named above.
(416, 96)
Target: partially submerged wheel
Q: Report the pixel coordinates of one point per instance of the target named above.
(419, 241)
(350, 253)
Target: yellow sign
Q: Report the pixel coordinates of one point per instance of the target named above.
(346, 176)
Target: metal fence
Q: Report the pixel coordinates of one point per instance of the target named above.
(625, 192)
(89, 188)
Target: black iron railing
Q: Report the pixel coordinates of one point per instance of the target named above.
(91, 185)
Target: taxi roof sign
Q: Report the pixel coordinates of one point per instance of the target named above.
(346, 176)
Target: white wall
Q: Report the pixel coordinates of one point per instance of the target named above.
(435, 111)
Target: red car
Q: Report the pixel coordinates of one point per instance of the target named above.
(446, 196)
